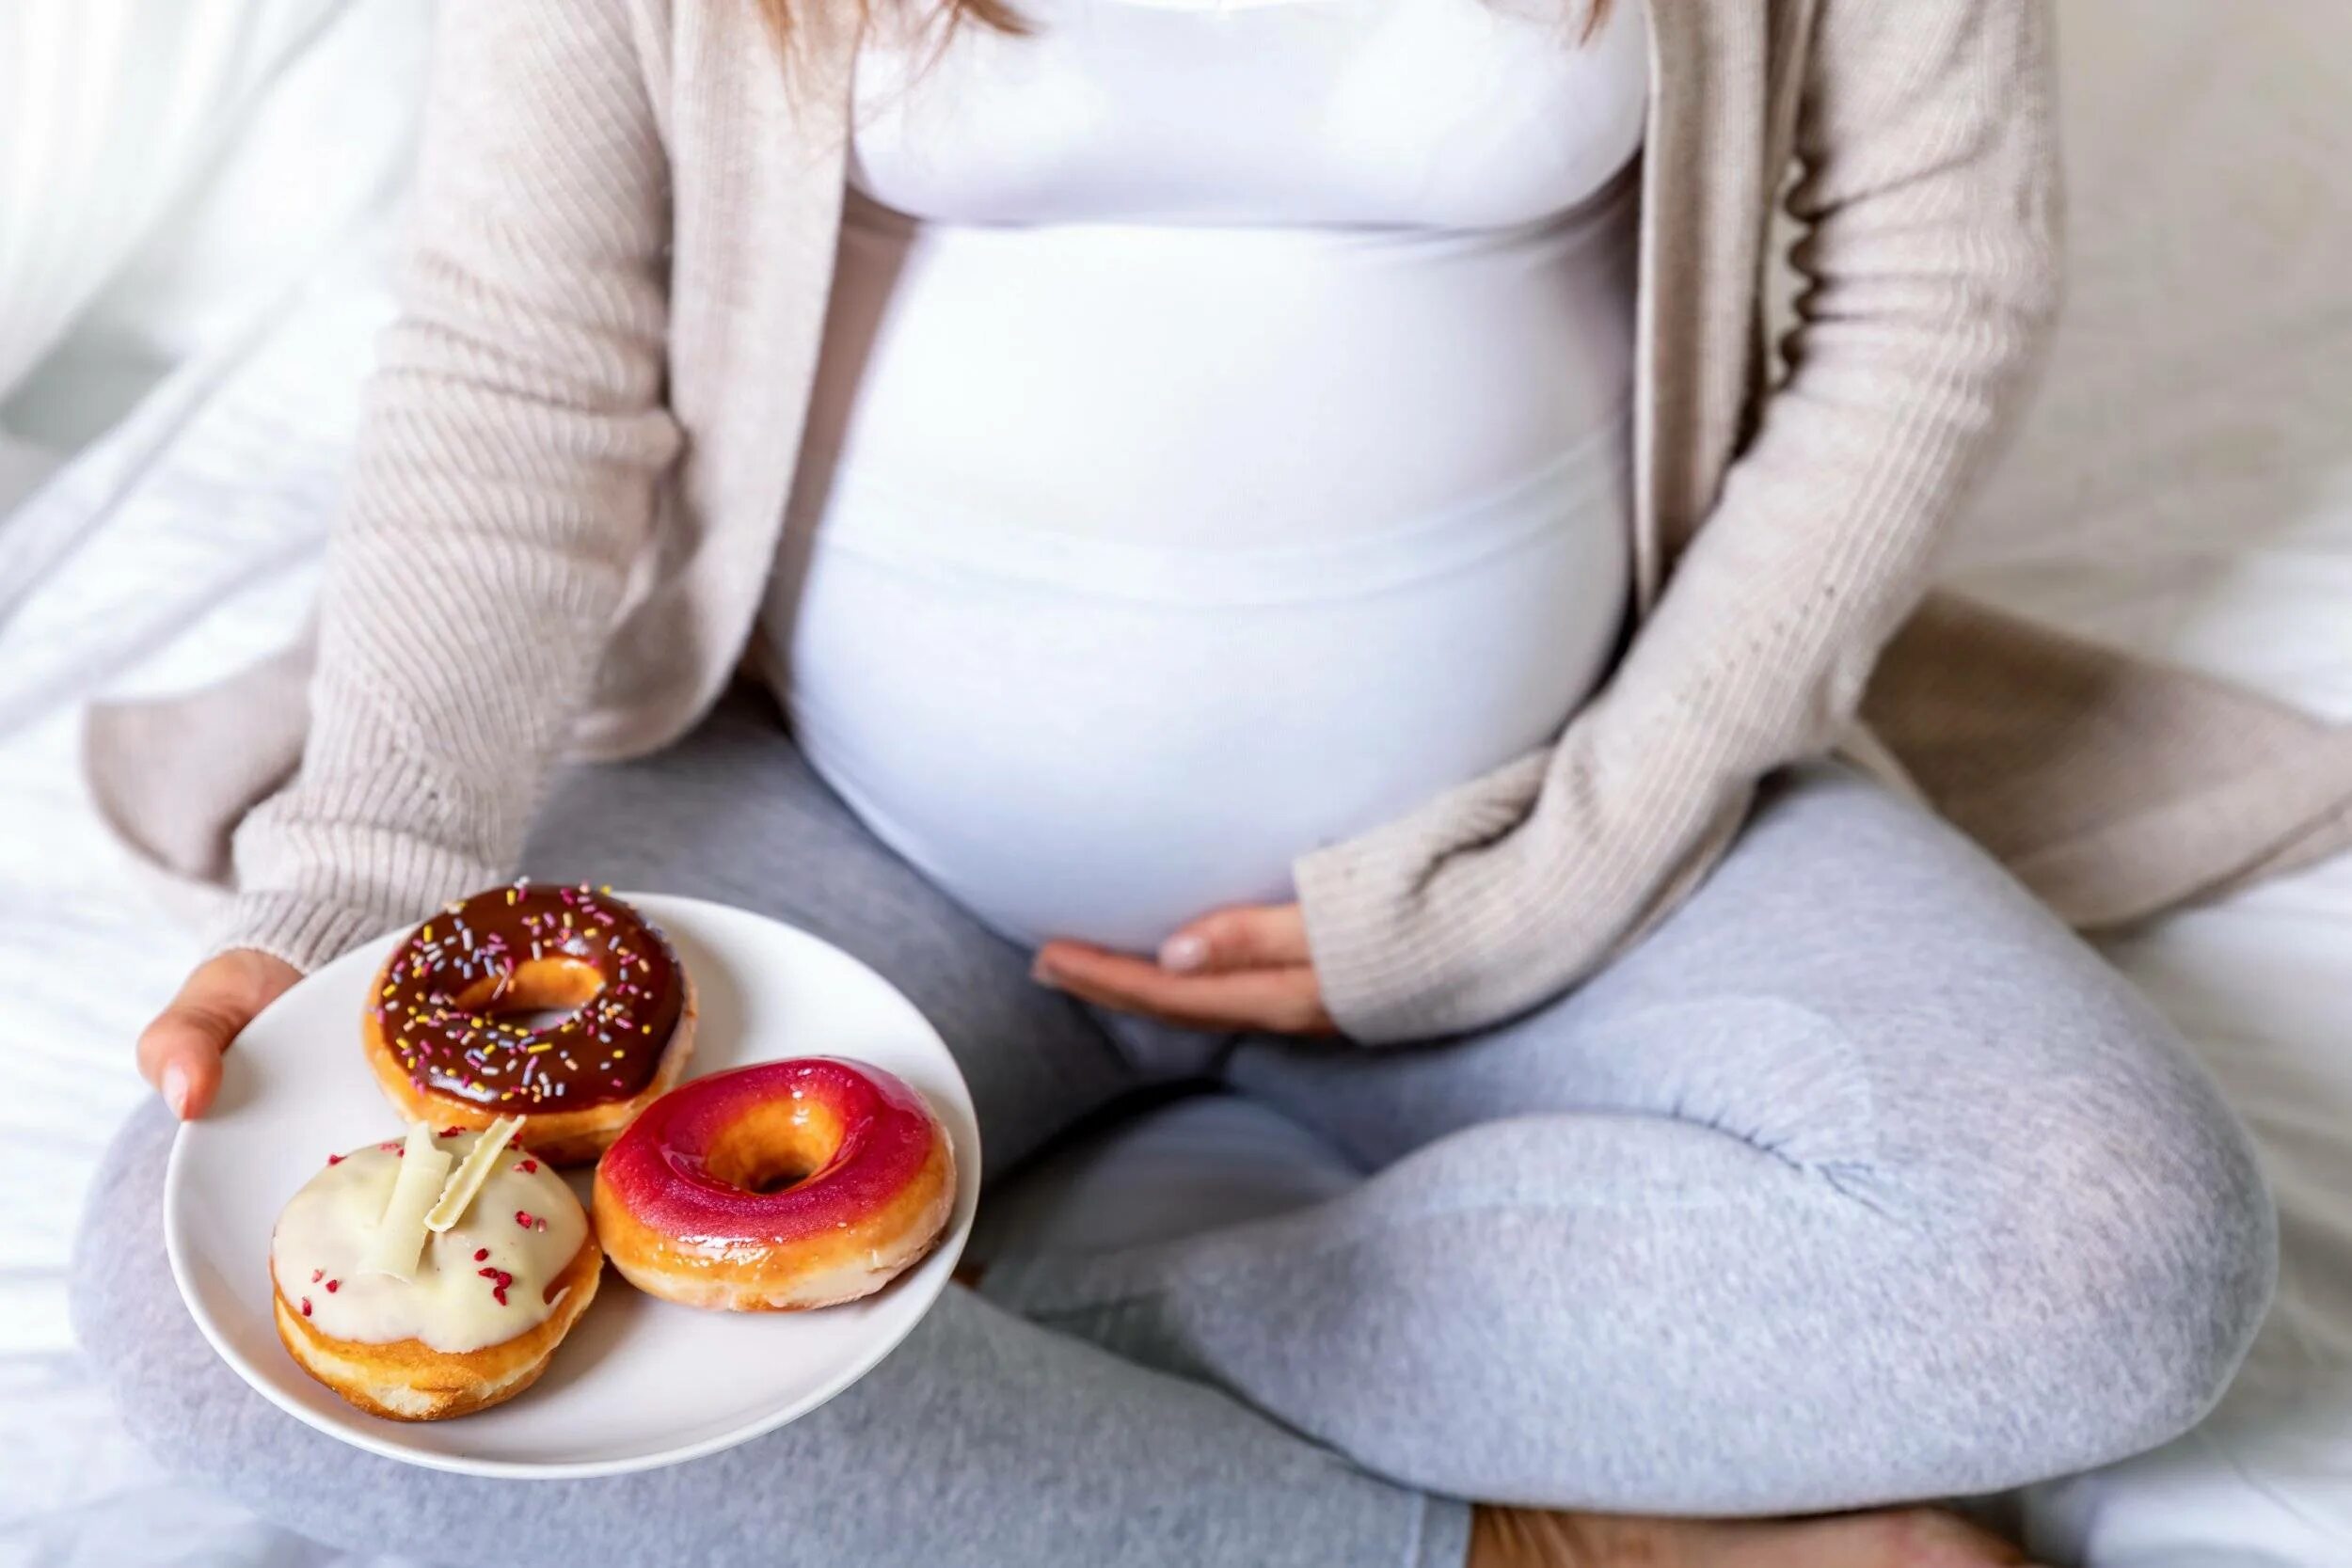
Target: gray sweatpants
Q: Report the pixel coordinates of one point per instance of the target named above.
(1858, 1179)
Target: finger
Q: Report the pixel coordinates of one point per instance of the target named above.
(1249, 935)
(1275, 1001)
(179, 1052)
(179, 1055)
(1286, 1000)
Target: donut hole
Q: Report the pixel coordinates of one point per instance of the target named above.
(781, 1178)
(540, 994)
(774, 1148)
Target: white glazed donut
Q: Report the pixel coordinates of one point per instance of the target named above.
(482, 1302)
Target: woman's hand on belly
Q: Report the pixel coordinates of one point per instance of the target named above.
(1245, 968)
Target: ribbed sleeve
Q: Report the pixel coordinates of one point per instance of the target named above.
(1929, 273)
(504, 483)
(305, 931)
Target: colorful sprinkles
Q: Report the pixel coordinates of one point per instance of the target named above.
(440, 1009)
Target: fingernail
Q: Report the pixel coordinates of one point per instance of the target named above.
(1184, 952)
(175, 1090)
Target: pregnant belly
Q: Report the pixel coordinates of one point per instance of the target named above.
(1102, 747)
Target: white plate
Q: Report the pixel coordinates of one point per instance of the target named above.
(638, 1383)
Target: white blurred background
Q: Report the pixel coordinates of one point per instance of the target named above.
(168, 170)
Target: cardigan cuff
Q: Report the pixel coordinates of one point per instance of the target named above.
(1397, 964)
(1351, 934)
(304, 932)
(1502, 895)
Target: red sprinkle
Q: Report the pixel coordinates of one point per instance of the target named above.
(334, 1159)
(501, 1280)
(306, 1307)
(523, 1218)
(333, 1286)
(317, 1274)
(529, 1167)
(388, 1144)
(480, 1253)
(450, 1131)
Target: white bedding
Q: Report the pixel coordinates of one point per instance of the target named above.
(214, 495)
(164, 172)
(2187, 487)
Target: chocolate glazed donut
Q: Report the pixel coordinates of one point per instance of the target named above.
(442, 1033)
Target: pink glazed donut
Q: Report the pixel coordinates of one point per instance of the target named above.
(777, 1187)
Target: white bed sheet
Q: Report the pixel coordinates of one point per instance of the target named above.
(2186, 487)
(207, 506)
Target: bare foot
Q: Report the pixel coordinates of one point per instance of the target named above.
(1897, 1538)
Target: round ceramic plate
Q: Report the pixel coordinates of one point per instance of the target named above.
(638, 1383)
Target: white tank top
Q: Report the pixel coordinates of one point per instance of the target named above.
(1221, 443)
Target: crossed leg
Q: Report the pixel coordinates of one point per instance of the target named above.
(1857, 1181)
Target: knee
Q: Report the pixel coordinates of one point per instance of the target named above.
(126, 1312)
(119, 1239)
(2144, 1252)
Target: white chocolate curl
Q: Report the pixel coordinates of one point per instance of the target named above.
(399, 1237)
(456, 1196)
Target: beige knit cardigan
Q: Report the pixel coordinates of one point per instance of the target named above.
(579, 440)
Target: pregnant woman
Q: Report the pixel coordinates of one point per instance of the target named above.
(1266, 548)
